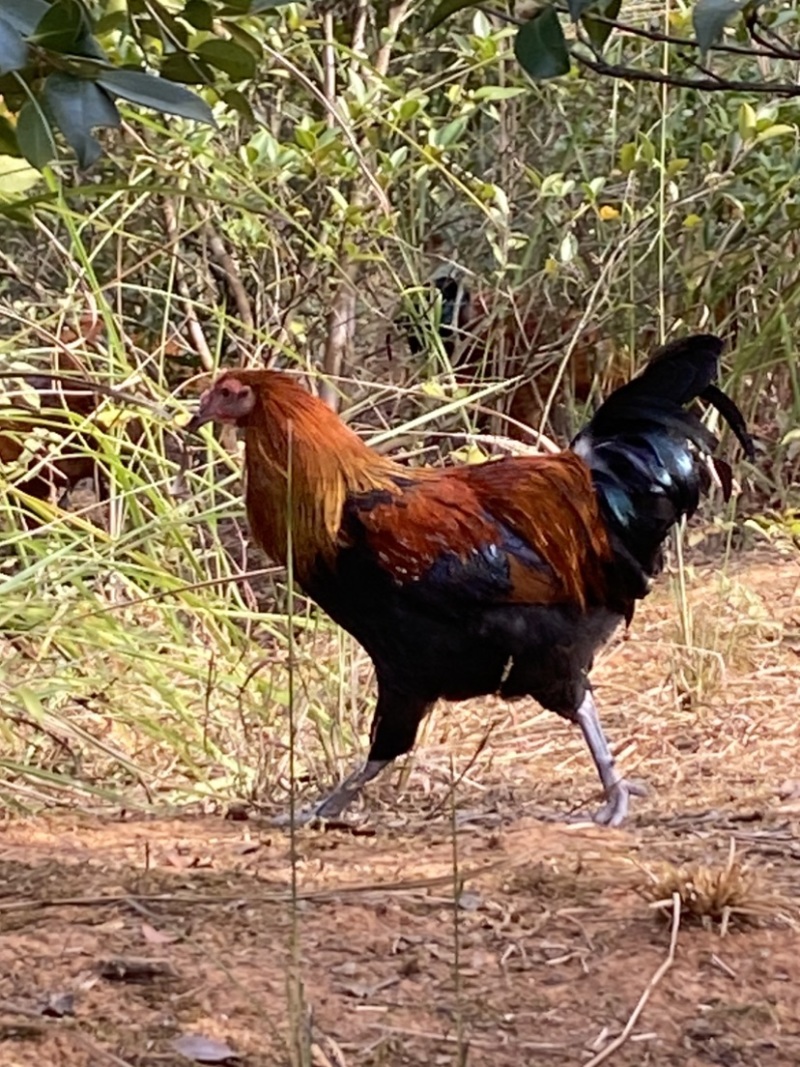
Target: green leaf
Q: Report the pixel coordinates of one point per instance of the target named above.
(62, 26)
(498, 92)
(237, 62)
(150, 91)
(13, 50)
(446, 8)
(34, 136)
(245, 39)
(780, 129)
(647, 150)
(23, 15)
(627, 157)
(8, 139)
(307, 139)
(450, 133)
(78, 106)
(16, 177)
(182, 67)
(251, 7)
(747, 122)
(237, 101)
(200, 14)
(597, 31)
(163, 25)
(677, 165)
(112, 20)
(540, 47)
(710, 17)
(258, 7)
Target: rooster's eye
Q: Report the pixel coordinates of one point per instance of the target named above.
(225, 393)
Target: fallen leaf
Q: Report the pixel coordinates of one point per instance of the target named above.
(57, 1005)
(469, 901)
(348, 967)
(135, 969)
(204, 1049)
(157, 937)
(329, 1056)
(362, 991)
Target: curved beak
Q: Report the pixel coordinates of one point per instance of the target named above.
(194, 424)
(201, 417)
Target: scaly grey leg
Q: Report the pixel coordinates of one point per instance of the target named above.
(617, 789)
(331, 806)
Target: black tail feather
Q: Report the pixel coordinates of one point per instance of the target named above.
(645, 451)
(713, 395)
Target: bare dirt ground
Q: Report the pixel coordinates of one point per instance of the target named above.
(120, 936)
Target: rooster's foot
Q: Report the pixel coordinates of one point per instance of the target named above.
(330, 808)
(615, 809)
(302, 817)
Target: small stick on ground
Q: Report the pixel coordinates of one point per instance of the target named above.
(620, 1040)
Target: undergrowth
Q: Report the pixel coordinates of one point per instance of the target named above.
(144, 639)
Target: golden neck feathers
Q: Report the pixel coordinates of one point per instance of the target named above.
(301, 464)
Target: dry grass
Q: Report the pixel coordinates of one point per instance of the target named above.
(555, 956)
(722, 894)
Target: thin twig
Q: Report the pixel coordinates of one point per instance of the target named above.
(449, 797)
(96, 1051)
(620, 1040)
(88, 385)
(281, 60)
(342, 313)
(233, 278)
(706, 84)
(212, 900)
(8, 1007)
(359, 36)
(779, 50)
(192, 322)
(684, 42)
(329, 67)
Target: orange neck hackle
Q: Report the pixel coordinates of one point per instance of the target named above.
(328, 461)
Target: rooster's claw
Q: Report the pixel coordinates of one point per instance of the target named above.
(614, 811)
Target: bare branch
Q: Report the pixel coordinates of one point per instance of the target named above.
(776, 47)
(683, 42)
(713, 83)
(233, 278)
(342, 314)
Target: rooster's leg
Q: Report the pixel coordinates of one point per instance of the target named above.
(331, 806)
(617, 789)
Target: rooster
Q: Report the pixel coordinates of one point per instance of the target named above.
(482, 334)
(503, 577)
(49, 447)
(46, 477)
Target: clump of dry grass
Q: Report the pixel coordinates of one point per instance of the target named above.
(710, 894)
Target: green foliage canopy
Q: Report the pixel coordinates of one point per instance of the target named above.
(63, 66)
(766, 32)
